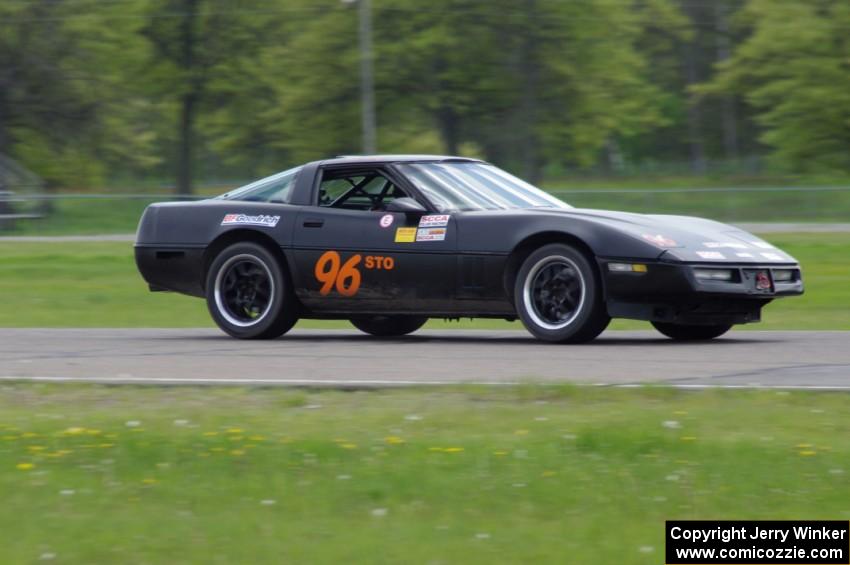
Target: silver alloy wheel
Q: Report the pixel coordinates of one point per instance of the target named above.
(223, 290)
(549, 289)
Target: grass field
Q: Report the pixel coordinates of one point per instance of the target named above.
(517, 475)
(97, 285)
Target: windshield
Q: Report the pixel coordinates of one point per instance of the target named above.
(475, 186)
(275, 188)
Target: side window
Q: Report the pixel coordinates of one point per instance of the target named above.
(367, 191)
(276, 188)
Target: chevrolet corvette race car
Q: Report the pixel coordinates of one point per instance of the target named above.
(390, 241)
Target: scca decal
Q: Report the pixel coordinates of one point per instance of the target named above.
(345, 277)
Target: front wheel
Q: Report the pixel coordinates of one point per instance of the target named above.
(685, 332)
(558, 296)
(388, 326)
(248, 294)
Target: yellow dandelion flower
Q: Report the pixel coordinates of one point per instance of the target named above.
(348, 445)
(548, 474)
(237, 452)
(106, 445)
(257, 438)
(393, 440)
(64, 452)
(149, 481)
(35, 448)
(807, 453)
(521, 432)
(688, 438)
(803, 445)
(210, 434)
(234, 430)
(10, 438)
(453, 449)
(680, 413)
(24, 466)
(500, 453)
(93, 432)
(75, 431)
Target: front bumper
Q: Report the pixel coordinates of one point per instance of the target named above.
(671, 292)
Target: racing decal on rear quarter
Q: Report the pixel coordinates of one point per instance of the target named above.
(711, 254)
(434, 221)
(660, 240)
(405, 235)
(431, 234)
(386, 220)
(245, 220)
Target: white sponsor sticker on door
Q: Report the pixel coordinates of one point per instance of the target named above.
(434, 221)
(431, 234)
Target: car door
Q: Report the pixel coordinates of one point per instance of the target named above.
(353, 256)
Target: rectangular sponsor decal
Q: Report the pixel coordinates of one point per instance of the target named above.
(762, 244)
(744, 254)
(434, 221)
(405, 235)
(763, 542)
(431, 234)
(245, 220)
(724, 244)
(711, 254)
(772, 256)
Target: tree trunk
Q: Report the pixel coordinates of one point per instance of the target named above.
(189, 100)
(695, 134)
(729, 118)
(186, 150)
(530, 72)
(447, 122)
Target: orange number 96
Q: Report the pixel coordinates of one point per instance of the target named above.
(346, 279)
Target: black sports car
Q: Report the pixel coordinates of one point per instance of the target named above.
(390, 241)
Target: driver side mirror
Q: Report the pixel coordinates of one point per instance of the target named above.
(406, 205)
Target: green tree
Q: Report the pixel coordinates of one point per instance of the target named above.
(66, 108)
(794, 70)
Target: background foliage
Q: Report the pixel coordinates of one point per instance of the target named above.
(106, 92)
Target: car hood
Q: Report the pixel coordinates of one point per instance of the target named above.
(685, 238)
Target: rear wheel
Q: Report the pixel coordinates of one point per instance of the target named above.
(388, 326)
(558, 295)
(685, 332)
(248, 294)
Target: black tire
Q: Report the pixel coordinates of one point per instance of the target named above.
(388, 326)
(248, 293)
(684, 332)
(558, 295)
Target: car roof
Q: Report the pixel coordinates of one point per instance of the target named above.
(356, 159)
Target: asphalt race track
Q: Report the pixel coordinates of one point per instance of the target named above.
(350, 359)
